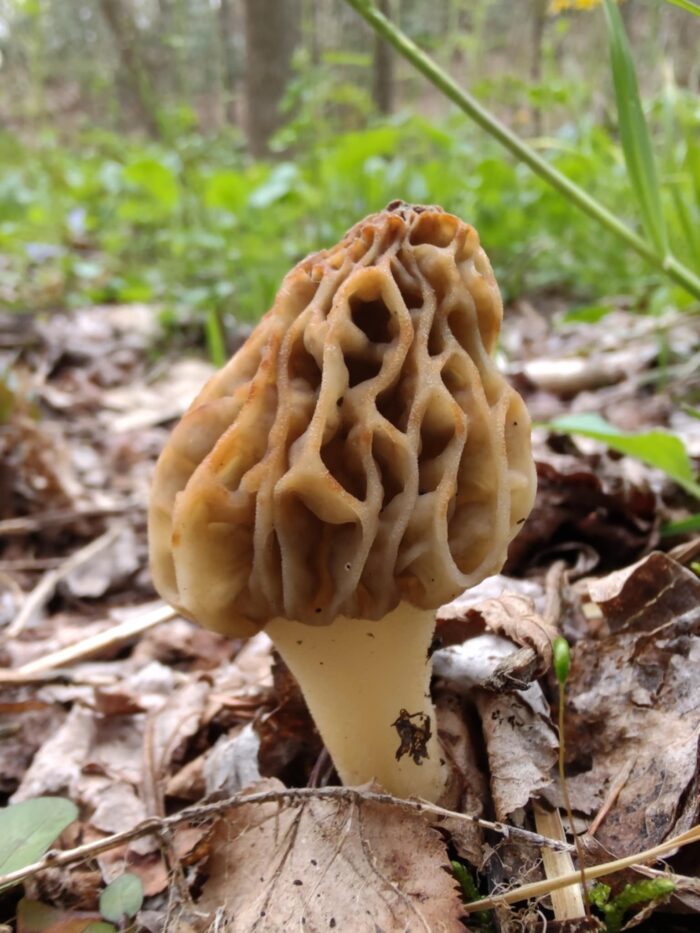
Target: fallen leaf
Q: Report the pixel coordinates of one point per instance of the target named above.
(586, 502)
(170, 726)
(486, 661)
(108, 569)
(521, 745)
(57, 764)
(632, 706)
(232, 763)
(510, 616)
(325, 864)
(35, 917)
(117, 808)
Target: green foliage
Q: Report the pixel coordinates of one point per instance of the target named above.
(27, 829)
(470, 893)
(122, 899)
(197, 228)
(632, 895)
(634, 133)
(657, 448)
(688, 5)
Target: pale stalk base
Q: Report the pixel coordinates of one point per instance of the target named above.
(357, 677)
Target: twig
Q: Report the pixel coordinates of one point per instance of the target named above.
(30, 564)
(44, 678)
(542, 888)
(200, 812)
(28, 524)
(44, 589)
(616, 786)
(89, 646)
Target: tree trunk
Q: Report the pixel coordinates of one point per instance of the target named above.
(118, 16)
(539, 23)
(383, 77)
(271, 32)
(228, 50)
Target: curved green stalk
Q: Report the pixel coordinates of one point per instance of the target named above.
(443, 82)
(686, 5)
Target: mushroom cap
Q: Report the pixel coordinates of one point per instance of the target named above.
(360, 449)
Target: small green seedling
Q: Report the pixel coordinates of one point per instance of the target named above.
(632, 895)
(470, 893)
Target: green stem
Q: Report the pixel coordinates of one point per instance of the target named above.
(469, 105)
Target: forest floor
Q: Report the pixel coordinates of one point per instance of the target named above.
(113, 702)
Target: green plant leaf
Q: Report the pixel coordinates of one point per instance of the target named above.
(281, 181)
(155, 178)
(684, 526)
(687, 5)
(228, 190)
(122, 898)
(634, 895)
(27, 829)
(588, 314)
(657, 448)
(634, 132)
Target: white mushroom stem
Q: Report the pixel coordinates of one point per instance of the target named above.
(367, 686)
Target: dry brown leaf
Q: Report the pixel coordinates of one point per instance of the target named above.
(57, 765)
(327, 864)
(171, 725)
(232, 763)
(34, 917)
(589, 502)
(521, 744)
(510, 608)
(508, 616)
(111, 567)
(632, 711)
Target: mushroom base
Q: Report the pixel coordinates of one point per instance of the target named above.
(367, 686)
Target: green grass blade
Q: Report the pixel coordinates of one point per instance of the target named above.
(687, 5)
(634, 132)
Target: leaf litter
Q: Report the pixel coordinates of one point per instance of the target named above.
(133, 720)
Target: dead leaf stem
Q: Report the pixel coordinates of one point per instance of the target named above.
(89, 646)
(156, 826)
(46, 587)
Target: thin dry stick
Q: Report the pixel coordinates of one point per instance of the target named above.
(28, 524)
(542, 888)
(201, 812)
(89, 646)
(618, 783)
(45, 588)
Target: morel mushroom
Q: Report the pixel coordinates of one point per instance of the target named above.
(357, 463)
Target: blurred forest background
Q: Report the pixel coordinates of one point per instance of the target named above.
(186, 153)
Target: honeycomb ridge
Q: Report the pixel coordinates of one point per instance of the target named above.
(361, 447)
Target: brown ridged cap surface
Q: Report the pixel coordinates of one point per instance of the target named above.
(359, 449)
